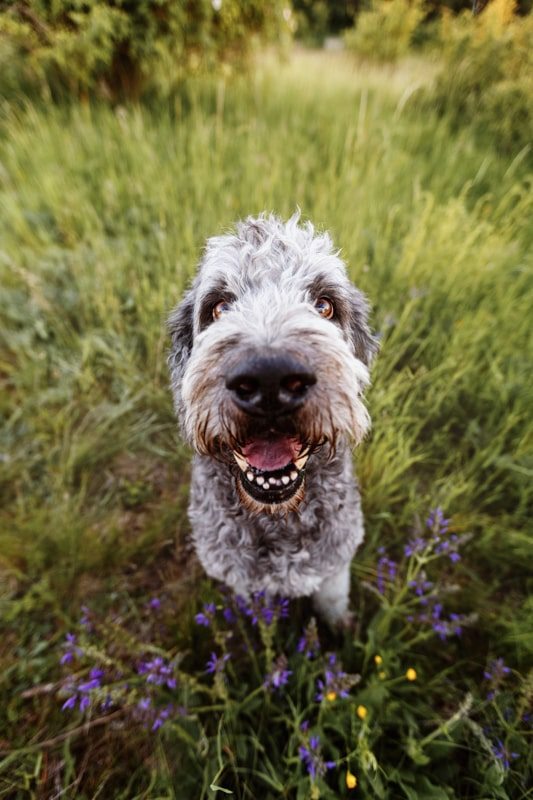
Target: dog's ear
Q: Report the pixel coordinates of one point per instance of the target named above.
(180, 327)
(365, 344)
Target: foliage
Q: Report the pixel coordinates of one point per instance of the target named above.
(103, 215)
(385, 31)
(486, 77)
(120, 48)
(318, 18)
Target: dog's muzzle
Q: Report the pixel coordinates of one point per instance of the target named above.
(269, 389)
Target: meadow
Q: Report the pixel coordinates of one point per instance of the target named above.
(124, 672)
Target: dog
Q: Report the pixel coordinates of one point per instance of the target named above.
(269, 359)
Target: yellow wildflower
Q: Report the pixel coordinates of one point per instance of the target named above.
(351, 780)
(382, 675)
(378, 661)
(361, 712)
(411, 674)
(331, 696)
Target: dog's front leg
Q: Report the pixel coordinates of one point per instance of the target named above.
(331, 600)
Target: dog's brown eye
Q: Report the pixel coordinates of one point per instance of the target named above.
(220, 308)
(325, 307)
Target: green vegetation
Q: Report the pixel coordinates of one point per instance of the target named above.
(103, 216)
(123, 49)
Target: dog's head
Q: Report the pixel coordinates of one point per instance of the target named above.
(269, 357)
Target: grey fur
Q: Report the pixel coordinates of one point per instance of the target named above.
(272, 272)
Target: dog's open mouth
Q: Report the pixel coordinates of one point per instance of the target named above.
(271, 470)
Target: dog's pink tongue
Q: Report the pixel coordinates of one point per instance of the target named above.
(271, 454)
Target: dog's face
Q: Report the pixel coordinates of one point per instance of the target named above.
(269, 357)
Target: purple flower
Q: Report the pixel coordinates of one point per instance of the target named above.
(70, 702)
(415, 546)
(436, 522)
(85, 619)
(496, 670)
(279, 675)
(386, 571)
(503, 754)
(421, 587)
(71, 649)
(335, 681)
(263, 608)
(81, 693)
(159, 672)
(309, 643)
(216, 664)
(228, 615)
(495, 674)
(161, 717)
(311, 758)
(205, 617)
(154, 604)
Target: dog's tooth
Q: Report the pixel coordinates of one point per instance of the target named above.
(260, 480)
(301, 462)
(285, 479)
(293, 475)
(250, 476)
(240, 461)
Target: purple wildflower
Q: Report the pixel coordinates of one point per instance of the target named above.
(229, 615)
(216, 664)
(503, 754)
(495, 673)
(312, 759)
(386, 571)
(154, 604)
(85, 619)
(436, 522)
(159, 672)
(415, 546)
(205, 617)
(161, 717)
(71, 649)
(263, 608)
(335, 680)
(81, 693)
(279, 675)
(421, 587)
(496, 670)
(304, 727)
(309, 643)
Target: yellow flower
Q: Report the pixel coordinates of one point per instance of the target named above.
(351, 780)
(382, 675)
(411, 674)
(378, 661)
(361, 712)
(331, 696)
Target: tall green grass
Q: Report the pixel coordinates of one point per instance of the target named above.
(103, 216)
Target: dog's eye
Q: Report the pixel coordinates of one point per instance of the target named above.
(325, 308)
(220, 308)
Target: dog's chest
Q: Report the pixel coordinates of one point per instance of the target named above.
(287, 555)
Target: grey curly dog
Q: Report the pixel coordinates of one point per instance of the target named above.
(269, 358)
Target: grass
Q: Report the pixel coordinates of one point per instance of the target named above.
(103, 215)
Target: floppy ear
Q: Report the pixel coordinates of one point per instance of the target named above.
(180, 326)
(365, 344)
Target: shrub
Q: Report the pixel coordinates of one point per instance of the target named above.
(120, 48)
(487, 74)
(385, 32)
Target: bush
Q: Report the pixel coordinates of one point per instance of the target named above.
(487, 74)
(120, 48)
(385, 32)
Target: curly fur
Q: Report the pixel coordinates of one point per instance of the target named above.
(271, 273)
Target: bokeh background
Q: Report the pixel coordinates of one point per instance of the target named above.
(131, 131)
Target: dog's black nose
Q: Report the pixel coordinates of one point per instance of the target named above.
(264, 385)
